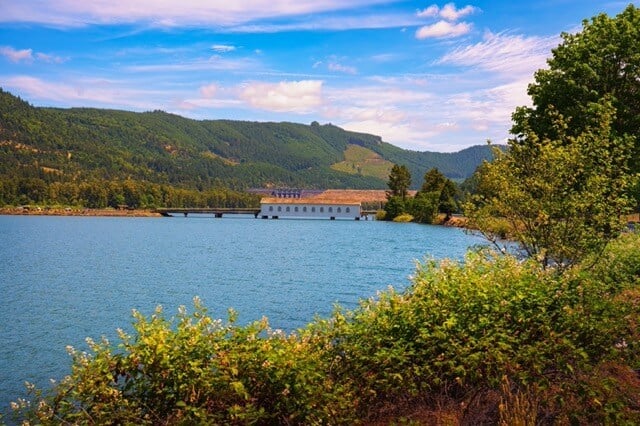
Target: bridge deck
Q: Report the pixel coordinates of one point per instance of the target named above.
(218, 212)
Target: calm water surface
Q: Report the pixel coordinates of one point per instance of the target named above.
(66, 278)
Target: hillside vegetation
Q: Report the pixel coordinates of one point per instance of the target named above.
(85, 144)
(363, 161)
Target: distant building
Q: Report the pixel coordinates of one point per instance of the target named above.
(281, 208)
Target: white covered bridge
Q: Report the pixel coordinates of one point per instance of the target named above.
(280, 208)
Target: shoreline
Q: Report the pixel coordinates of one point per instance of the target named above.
(454, 221)
(39, 211)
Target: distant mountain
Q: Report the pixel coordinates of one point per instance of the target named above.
(85, 143)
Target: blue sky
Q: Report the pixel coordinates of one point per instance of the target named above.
(423, 75)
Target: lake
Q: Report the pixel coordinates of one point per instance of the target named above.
(67, 278)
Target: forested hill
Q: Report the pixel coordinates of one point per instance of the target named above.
(82, 144)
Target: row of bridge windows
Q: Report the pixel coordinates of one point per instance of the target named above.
(296, 209)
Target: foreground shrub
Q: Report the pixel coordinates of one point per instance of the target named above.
(192, 369)
(403, 218)
(460, 329)
(489, 340)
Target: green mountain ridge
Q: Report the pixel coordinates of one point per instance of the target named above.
(79, 144)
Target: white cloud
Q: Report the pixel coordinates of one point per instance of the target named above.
(16, 55)
(84, 92)
(215, 62)
(287, 96)
(27, 55)
(198, 107)
(385, 57)
(411, 137)
(334, 66)
(505, 54)
(448, 12)
(441, 112)
(391, 93)
(380, 114)
(443, 29)
(209, 91)
(52, 59)
(485, 107)
(418, 82)
(398, 110)
(167, 12)
(430, 12)
(332, 22)
(223, 48)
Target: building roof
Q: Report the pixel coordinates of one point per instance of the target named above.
(334, 196)
(307, 201)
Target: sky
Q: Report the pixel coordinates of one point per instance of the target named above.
(424, 76)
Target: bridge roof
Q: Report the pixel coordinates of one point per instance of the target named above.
(308, 201)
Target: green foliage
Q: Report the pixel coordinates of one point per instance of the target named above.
(424, 206)
(446, 190)
(363, 161)
(461, 328)
(381, 215)
(101, 194)
(555, 346)
(433, 181)
(602, 61)
(395, 206)
(399, 181)
(436, 195)
(403, 218)
(458, 166)
(562, 198)
(193, 369)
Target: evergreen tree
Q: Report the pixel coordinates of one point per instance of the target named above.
(444, 189)
(399, 181)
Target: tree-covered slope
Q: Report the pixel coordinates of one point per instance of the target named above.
(84, 143)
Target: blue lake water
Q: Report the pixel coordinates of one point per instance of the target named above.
(66, 278)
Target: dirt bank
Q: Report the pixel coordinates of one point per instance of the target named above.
(39, 211)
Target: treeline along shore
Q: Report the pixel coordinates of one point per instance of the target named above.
(67, 211)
